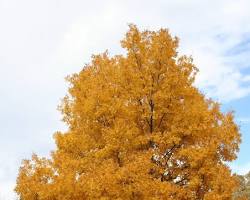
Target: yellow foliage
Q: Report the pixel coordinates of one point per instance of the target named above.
(137, 129)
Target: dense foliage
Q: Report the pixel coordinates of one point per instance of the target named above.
(137, 129)
(244, 189)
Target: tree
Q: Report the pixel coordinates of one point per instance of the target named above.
(137, 129)
(244, 189)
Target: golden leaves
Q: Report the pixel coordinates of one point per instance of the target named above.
(138, 129)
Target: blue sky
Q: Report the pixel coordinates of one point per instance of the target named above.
(43, 41)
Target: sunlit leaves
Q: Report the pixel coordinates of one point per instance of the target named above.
(138, 129)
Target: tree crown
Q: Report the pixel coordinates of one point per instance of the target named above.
(137, 129)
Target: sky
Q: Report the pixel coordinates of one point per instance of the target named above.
(41, 42)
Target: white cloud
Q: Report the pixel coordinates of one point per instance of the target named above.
(240, 169)
(7, 192)
(244, 120)
(205, 35)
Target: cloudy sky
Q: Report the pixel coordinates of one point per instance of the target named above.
(43, 41)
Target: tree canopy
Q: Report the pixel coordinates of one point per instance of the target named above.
(138, 128)
(244, 189)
